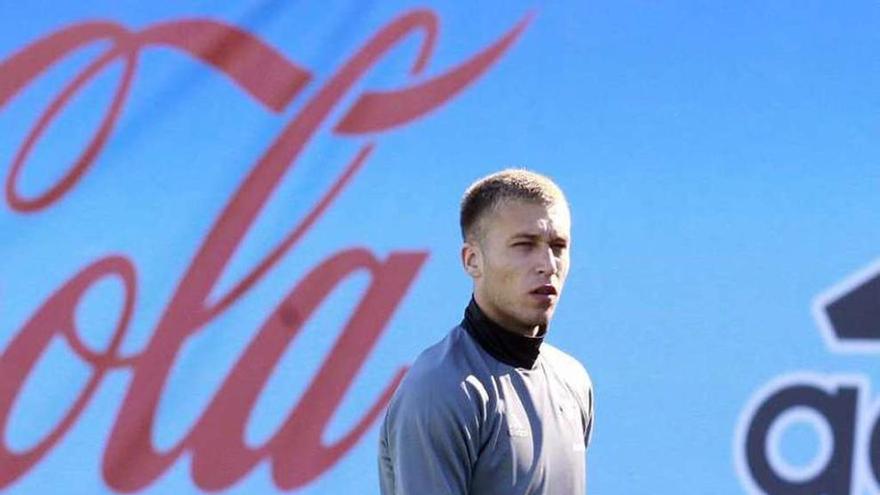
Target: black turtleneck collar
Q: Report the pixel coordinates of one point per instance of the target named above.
(504, 345)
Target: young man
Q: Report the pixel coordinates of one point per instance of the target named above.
(492, 409)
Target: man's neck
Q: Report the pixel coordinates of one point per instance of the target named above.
(511, 348)
(489, 311)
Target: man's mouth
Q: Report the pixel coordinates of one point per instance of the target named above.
(545, 290)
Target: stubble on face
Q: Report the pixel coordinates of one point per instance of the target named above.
(525, 259)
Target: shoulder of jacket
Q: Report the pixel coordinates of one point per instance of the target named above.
(567, 366)
(445, 372)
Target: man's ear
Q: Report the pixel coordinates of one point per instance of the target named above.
(472, 259)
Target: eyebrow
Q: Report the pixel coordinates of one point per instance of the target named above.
(525, 235)
(535, 237)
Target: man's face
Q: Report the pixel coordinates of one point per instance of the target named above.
(520, 262)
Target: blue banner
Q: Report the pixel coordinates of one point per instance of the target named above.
(228, 229)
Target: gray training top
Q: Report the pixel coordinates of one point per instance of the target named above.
(486, 411)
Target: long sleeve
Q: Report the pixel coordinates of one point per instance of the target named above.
(429, 439)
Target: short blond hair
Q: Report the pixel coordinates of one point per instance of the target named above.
(489, 192)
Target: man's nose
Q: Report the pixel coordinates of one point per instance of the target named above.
(547, 262)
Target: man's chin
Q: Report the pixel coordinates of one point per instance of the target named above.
(541, 319)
